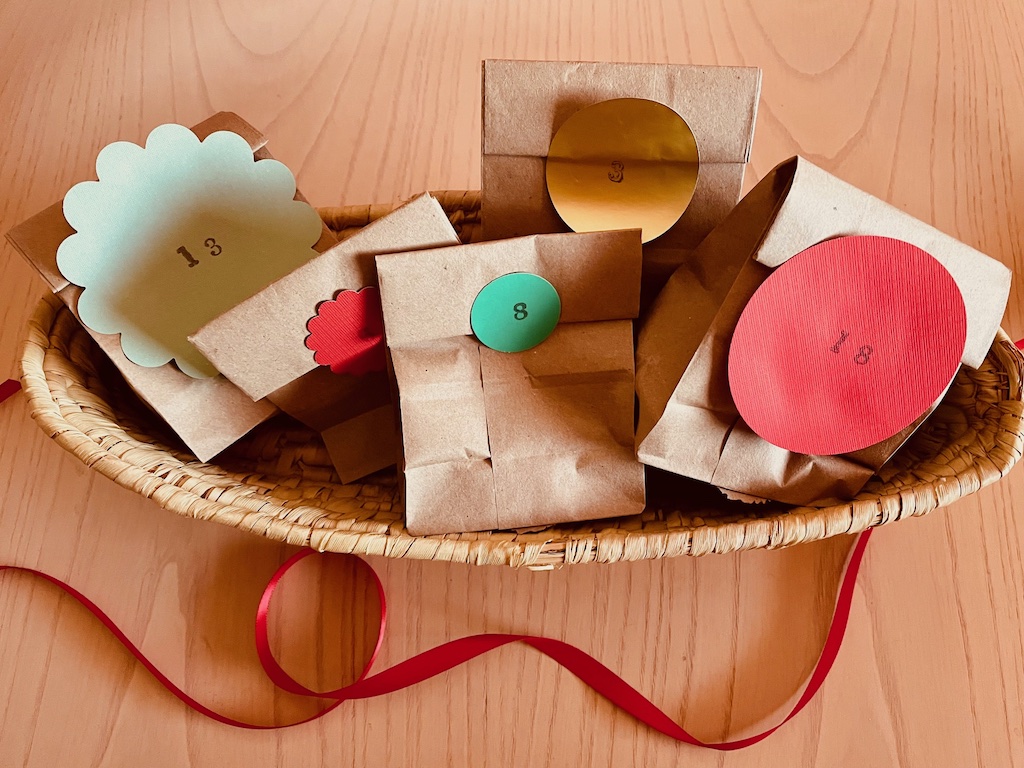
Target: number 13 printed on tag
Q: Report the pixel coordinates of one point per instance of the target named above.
(177, 232)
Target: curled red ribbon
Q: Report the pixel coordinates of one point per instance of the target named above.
(444, 657)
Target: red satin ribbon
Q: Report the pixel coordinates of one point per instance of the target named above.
(8, 388)
(452, 654)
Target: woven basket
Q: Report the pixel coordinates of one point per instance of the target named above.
(278, 481)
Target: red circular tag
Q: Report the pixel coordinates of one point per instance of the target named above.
(846, 344)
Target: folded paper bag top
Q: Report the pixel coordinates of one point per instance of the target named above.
(260, 344)
(688, 422)
(526, 102)
(503, 440)
(207, 414)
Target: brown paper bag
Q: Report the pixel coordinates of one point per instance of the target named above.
(207, 414)
(526, 102)
(260, 344)
(688, 422)
(495, 440)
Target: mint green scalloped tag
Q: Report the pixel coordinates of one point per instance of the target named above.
(177, 232)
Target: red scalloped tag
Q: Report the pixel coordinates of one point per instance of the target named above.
(347, 333)
(846, 344)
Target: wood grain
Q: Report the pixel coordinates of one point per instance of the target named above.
(917, 102)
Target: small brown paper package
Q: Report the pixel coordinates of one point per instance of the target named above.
(496, 440)
(207, 414)
(260, 344)
(688, 422)
(526, 102)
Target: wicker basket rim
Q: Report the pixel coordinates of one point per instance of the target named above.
(105, 450)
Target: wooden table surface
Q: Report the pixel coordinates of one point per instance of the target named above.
(920, 103)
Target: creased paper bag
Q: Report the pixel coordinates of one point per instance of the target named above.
(688, 422)
(260, 344)
(207, 414)
(495, 440)
(526, 102)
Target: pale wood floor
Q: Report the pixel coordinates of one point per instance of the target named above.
(920, 103)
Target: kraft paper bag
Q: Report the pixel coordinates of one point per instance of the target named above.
(260, 344)
(207, 414)
(526, 102)
(688, 422)
(498, 440)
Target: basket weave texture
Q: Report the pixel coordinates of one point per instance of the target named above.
(278, 482)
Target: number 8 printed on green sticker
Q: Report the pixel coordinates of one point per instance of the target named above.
(536, 308)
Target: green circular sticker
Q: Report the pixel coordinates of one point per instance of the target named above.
(515, 312)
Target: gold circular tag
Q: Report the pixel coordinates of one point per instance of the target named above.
(622, 164)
